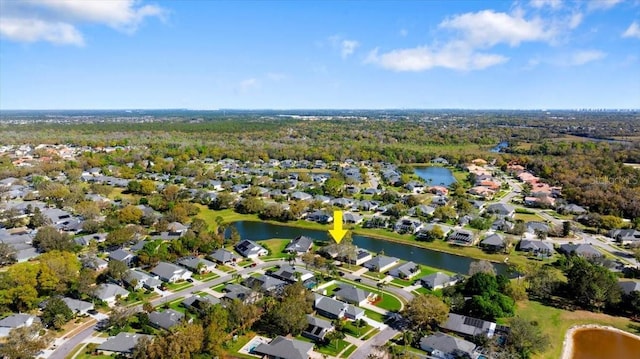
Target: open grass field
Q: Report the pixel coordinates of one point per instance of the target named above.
(275, 247)
(555, 322)
(526, 217)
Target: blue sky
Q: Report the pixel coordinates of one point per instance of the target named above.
(540, 54)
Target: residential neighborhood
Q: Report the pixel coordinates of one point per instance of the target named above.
(168, 265)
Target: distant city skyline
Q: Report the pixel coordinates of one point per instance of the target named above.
(538, 54)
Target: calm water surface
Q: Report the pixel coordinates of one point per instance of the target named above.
(435, 176)
(450, 262)
(594, 343)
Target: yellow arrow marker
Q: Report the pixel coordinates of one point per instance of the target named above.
(337, 232)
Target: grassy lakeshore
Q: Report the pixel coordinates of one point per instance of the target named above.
(230, 216)
(555, 322)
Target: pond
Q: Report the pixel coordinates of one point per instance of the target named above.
(601, 343)
(435, 176)
(499, 147)
(450, 262)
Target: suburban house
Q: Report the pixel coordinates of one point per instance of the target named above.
(536, 247)
(138, 279)
(109, 293)
(502, 224)
(501, 210)
(381, 263)
(265, 283)
(405, 271)
(123, 344)
(284, 348)
(468, 326)
(360, 257)
(79, 307)
(198, 302)
(317, 328)
(240, 292)
(438, 280)
(292, 274)
(335, 309)
(165, 319)
(250, 249)
(197, 265)
(299, 245)
(169, 272)
(444, 346)
(95, 263)
(16, 321)
(493, 243)
(625, 236)
(123, 256)
(462, 236)
(582, 250)
(224, 256)
(354, 295)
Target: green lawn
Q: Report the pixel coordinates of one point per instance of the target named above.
(176, 287)
(528, 217)
(424, 271)
(234, 346)
(375, 315)
(332, 348)
(388, 302)
(345, 354)
(555, 322)
(218, 288)
(354, 331)
(205, 277)
(275, 247)
(371, 334)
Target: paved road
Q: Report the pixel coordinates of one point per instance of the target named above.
(65, 348)
(370, 345)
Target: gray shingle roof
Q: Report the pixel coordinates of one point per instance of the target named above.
(350, 293)
(436, 279)
(300, 244)
(447, 344)
(379, 262)
(122, 343)
(285, 348)
(468, 325)
(166, 319)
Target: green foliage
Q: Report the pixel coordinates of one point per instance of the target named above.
(49, 238)
(56, 313)
(525, 339)
(426, 311)
(592, 286)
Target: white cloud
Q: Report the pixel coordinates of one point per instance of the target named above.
(585, 56)
(602, 4)
(276, 76)
(454, 56)
(57, 21)
(249, 84)
(488, 28)
(575, 20)
(32, 30)
(632, 31)
(553, 4)
(348, 47)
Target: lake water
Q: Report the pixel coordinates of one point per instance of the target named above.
(435, 176)
(499, 147)
(595, 343)
(450, 262)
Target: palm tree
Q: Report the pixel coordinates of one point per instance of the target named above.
(380, 286)
(407, 338)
